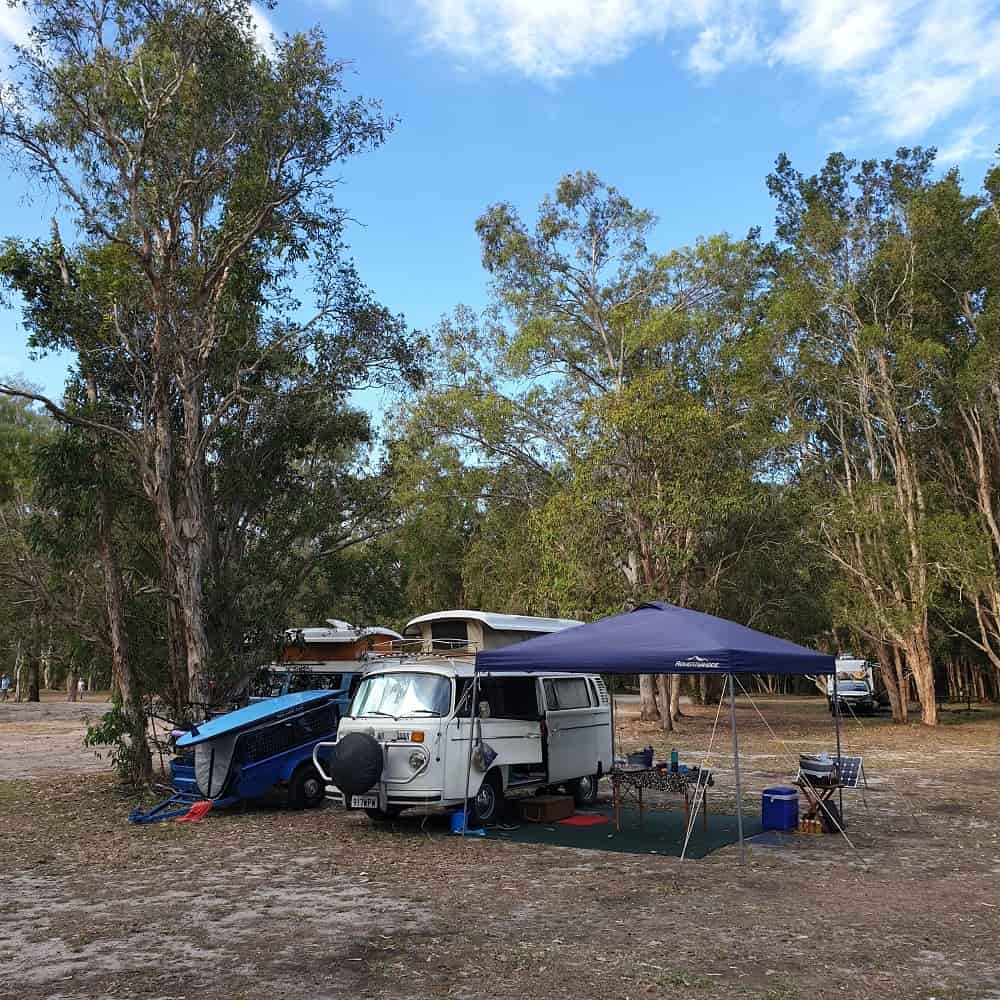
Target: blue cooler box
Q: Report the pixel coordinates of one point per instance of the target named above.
(779, 808)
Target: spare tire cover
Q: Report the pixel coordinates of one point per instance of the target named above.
(357, 763)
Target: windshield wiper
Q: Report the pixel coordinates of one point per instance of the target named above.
(385, 715)
(426, 711)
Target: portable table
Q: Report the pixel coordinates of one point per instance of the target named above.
(850, 774)
(634, 780)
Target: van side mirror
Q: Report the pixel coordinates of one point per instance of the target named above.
(484, 710)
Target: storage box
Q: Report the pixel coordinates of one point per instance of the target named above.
(779, 809)
(547, 808)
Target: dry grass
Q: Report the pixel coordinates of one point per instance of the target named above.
(266, 902)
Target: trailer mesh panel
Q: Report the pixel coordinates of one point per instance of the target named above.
(259, 744)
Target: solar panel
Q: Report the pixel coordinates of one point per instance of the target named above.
(851, 771)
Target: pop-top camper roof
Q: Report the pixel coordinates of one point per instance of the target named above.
(335, 642)
(464, 632)
(337, 631)
(501, 623)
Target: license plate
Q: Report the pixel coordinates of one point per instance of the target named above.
(364, 802)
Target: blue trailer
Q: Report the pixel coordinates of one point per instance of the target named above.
(245, 754)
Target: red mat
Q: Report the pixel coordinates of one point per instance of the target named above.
(195, 813)
(584, 820)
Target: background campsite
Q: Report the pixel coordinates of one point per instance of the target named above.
(231, 404)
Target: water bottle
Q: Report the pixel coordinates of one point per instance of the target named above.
(674, 761)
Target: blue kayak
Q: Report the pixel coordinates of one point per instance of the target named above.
(269, 710)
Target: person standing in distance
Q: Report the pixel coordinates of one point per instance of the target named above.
(4, 686)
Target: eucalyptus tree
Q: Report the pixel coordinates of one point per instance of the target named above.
(958, 290)
(202, 166)
(869, 369)
(612, 394)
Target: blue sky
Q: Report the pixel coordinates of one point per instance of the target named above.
(681, 104)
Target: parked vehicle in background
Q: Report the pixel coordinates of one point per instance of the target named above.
(329, 658)
(405, 740)
(855, 686)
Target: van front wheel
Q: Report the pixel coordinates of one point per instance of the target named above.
(583, 790)
(487, 803)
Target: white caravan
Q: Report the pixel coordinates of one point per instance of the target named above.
(405, 740)
(855, 685)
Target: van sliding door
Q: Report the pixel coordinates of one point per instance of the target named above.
(577, 727)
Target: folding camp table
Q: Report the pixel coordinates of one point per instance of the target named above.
(634, 779)
(850, 774)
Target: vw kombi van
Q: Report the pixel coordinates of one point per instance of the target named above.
(419, 732)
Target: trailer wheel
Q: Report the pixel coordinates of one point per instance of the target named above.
(487, 804)
(583, 790)
(306, 790)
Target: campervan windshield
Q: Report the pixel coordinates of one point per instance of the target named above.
(398, 695)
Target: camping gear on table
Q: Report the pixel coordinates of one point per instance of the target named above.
(779, 808)
(244, 754)
(547, 808)
(641, 758)
(686, 781)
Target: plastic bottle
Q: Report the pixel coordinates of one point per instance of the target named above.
(674, 760)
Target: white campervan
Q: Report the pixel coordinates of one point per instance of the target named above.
(413, 738)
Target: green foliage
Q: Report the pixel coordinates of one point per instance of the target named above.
(115, 733)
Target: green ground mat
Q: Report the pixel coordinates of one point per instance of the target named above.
(662, 833)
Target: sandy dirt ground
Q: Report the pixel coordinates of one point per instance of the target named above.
(40, 739)
(323, 904)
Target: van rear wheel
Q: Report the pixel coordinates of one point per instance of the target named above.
(583, 790)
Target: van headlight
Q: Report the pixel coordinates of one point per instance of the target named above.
(418, 760)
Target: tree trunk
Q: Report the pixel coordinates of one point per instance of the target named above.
(923, 674)
(896, 692)
(47, 677)
(675, 698)
(72, 680)
(647, 698)
(902, 683)
(124, 683)
(176, 656)
(663, 682)
(34, 656)
(702, 695)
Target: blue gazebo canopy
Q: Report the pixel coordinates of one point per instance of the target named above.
(657, 638)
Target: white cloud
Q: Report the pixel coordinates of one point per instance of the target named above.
(548, 39)
(969, 142)
(263, 31)
(904, 65)
(14, 25)
(723, 44)
(835, 35)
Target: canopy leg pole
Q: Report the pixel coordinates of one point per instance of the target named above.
(736, 767)
(473, 712)
(836, 727)
(614, 724)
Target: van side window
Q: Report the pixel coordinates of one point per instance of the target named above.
(508, 697)
(568, 692)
